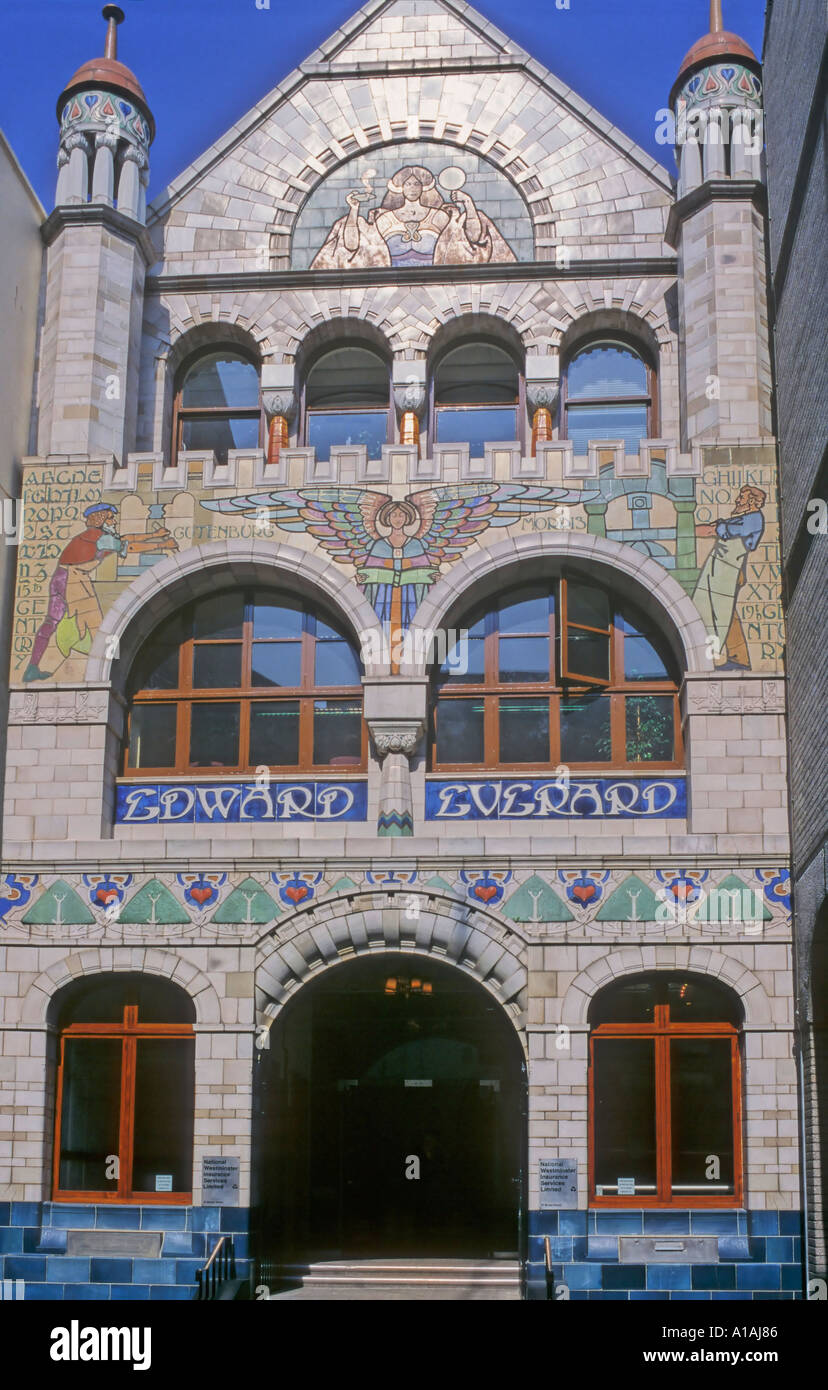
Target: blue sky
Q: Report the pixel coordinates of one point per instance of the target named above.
(203, 63)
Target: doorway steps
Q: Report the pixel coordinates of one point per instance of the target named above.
(401, 1279)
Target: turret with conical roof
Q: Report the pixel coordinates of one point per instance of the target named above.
(106, 128)
(717, 100)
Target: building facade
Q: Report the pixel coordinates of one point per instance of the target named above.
(396, 849)
(795, 41)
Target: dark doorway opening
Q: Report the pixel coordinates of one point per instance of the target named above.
(390, 1118)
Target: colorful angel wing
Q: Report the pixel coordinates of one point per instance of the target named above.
(452, 516)
(342, 519)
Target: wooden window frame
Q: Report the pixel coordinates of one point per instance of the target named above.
(519, 402)
(129, 1032)
(650, 400)
(305, 410)
(662, 1031)
(182, 413)
(246, 695)
(617, 690)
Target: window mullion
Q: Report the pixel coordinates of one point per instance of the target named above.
(126, 1136)
(663, 1117)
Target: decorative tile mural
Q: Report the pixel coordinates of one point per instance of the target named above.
(414, 204)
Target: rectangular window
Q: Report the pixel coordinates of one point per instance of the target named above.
(476, 425)
(163, 1129)
(327, 429)
(337, 733)
(460, 737)
(585, 633)
(274, 733)
(625, 1114)
(586, 422)
(90, 1115)
(585, 729)
(214, 734)
(701, 1097)
(649, 728)
(152, 736)
(524, 730)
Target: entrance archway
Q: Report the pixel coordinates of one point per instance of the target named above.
(390, 1118)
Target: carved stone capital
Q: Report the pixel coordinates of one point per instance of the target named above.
(401, 736)
(735, 695)
(75, 140)
(280, 403)
(542, 394)
(136, 155)
(108, 138)
(411, 396)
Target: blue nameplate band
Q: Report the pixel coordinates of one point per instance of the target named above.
(226, 802)
(548, 799)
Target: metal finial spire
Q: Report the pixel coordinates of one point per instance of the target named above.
(114, 16)
(716, 21)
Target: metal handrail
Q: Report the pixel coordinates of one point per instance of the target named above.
(547, 1260)
(220, 1266)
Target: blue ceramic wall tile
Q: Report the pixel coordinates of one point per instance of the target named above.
(234, 1219)
(696, 1296)
(757, 1276)
(153, 1271)
(60, 1270)
(623, 1276)
(713, 1276)
(602, 1248)
(88, 1292)
(668, 1276)
(5, 1213)
(618, 1223)
(170, 1293)
(648, 1296)
(668, 1223)
(779, 1250)
(163, 1218)
(792, 1277)
(185, 1272)
(734, 1248)
(118, 1218)
(764, 1223)
(790, 1223)
(543, 1223)
(44, 1293)
(127, 1292)
(111, 1270)
(713, 1223)
(582, 1276)
(178, 1243)
(26, 1267)
(11, 1240)
(73, 1218)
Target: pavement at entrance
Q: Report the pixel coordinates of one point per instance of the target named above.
(401, 1280)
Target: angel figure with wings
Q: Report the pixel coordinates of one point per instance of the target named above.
(398, 546)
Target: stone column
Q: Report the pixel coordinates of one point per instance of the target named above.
(410, 398)
(395, 744)
(280, 404)
(129, 184)
(103, 172)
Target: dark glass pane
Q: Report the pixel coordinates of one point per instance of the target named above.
(348, 376)
(274, 733)
(460, 731)
(693, 1000)
(214, 735)
(476, 426)
(585, 729)
(328, 428)
(627, 422)
(701, 1097)
(162, 1154)
(465, 662)
(152, 736)
(649, 722)
(523, 658)
(156, 667)
(103, 998)
(606, 370)
(217, 666)
(90, 1114)
(587, 605)
(322, 629)
(237, 432)
(337, 664)
(337, 732)
(625, 1128)
(526, 612)
(221, 379)
(221, 615)
(524, 731)
(277, 663)
(587, 654)
(477, 374)
(642, 661)
(277, 616)
(633, 1001)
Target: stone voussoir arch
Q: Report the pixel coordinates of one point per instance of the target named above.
(362, 924)
(648, 582)
(190, 573)
(638, 960)
(101, 960)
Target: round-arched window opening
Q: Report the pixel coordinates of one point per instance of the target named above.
(347, 401)
(125, 1091)
(477, 391)
(665, 1093)
(609, 394)
(217, 404)
(558, 672)
(246, 678)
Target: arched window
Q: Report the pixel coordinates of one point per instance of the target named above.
(348, 401)
(476, 397)
(561, 672)
(664, 1093)
(244, 679)
(609, 394)
(126, 1092)
(217, 404)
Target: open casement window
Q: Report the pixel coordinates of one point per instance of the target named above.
(125, 1093)
(609, 392)
(556, 673)
(665, 1094)
(347, 399)
(217, 404)
(477, 392)
(244, 679)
